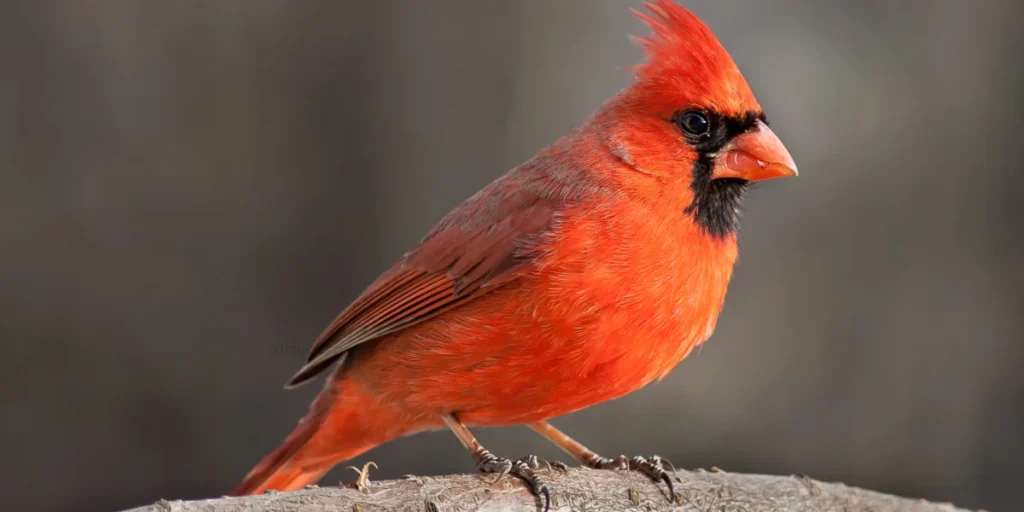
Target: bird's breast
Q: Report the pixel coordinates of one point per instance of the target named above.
(633, 293)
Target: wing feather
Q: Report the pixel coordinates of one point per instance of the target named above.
(479, 246)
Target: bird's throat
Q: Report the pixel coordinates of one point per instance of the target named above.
(716, 202)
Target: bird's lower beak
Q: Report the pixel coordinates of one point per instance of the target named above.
(755, 155)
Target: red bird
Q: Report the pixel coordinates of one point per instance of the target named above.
(577, 277)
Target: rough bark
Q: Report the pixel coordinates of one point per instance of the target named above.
(576, 489)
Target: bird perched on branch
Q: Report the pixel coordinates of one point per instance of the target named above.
(577, 277)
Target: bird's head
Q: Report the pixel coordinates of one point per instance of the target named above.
(691, 118)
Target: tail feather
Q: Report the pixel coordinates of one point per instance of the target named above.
(341, 424)
(275, 472)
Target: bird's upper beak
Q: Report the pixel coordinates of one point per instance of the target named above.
(755, 155)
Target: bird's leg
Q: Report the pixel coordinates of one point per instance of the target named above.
(489, 463)
(653, 466)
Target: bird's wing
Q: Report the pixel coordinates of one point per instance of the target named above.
(480, 245)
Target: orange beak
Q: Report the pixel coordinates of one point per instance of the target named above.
(755, 155)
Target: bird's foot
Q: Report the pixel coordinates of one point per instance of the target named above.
(524, 468)
(653, 466)
(598, 462)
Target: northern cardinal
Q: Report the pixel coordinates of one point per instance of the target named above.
(577, 277)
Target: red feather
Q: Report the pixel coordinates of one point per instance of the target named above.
(477, 247)
(685, 61)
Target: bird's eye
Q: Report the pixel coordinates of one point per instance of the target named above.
(694, 123)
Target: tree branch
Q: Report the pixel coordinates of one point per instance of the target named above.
(577, 489)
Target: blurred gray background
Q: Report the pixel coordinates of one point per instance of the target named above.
(191, 190)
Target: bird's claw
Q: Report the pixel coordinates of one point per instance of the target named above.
(620, 462)
(363, 482)
(523, 468)
(654, 467)
(487, 462)
(533, 461)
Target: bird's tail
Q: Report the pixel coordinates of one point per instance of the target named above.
(342, 423)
